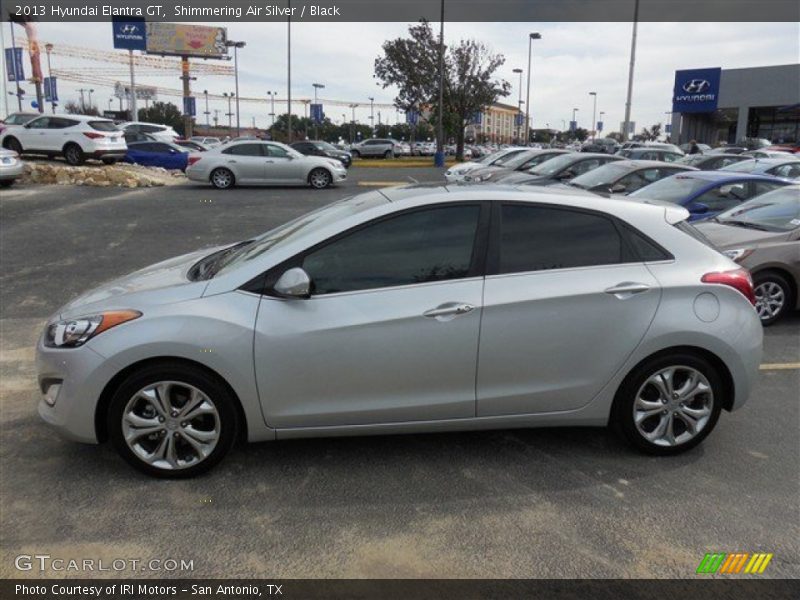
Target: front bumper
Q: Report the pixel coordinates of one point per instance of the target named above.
(81, 374)
(11, 171)
(339, 176)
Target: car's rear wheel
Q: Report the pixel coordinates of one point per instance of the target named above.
(74, 155)
(172, 420)
(388, 154)
(774, 296)
(6, 183)
(319, 178)
(668, 404)
(13, 144)
(222, 179)
(355, 154)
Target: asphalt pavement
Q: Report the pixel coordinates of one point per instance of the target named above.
(524, 503)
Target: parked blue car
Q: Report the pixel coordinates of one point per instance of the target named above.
(157, 154)
(707, 193)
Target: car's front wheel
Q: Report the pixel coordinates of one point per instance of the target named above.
(222, 179)
(669, 403)
(172, 420)
(13, 144)
(774, 296)
(319, 178)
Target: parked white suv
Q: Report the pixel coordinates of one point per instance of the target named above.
(75, 137)
(163, 133)
(377, 147)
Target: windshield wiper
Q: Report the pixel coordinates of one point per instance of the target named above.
(746, 224)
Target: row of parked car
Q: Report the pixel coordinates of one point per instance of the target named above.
(749, 207)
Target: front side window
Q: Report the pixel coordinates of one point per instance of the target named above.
(40, 123)
(422, 246)
(276, 151)
(791, 171)
(537, 238)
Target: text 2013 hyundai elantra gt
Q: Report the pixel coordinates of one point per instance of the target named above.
(407, 310)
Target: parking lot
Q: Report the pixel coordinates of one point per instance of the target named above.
(524, 503)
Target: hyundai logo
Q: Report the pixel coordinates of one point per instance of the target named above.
(128, 29)
(696, 86)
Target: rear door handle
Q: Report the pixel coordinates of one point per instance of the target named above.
(449, 309)
(626, 289)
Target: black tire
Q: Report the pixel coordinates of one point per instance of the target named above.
(222, 178)
(109, 161)
(13, 144)
(320, 178)
(181, 373)
(355, 154)
(6, 183)
(74, 155)
(622, 412)
(766, 285)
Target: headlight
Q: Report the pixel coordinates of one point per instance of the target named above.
(738, 254)
(71, 333)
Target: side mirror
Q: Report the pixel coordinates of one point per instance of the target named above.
(698, 208)
(294, 283)
(618, 188)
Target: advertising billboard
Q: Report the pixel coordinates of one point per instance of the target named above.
(180, 39)
(696, 90)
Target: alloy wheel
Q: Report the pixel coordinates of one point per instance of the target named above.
(320, 178)
(770, 300)
(171, 425)
(222, 178)
(673, 406)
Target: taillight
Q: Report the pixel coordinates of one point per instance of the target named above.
(193, 159)
(93, 136)
(739, 279)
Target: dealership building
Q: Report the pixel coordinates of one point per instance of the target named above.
(716, 105)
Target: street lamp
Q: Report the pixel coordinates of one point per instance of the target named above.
(574, 119)
(229, 113)
(207, 112)
(601, 119)
(90, 99)
(531, 37)
(352, 120)
(372, 114)
(317, 86)
(627, 125)
(236, 46)
(594, 113)
(110, 100)
(272, 109)
(519, 104)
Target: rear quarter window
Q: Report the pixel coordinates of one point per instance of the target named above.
(103, 125)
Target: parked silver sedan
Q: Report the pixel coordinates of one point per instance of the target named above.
(408, 310)
(11, 167)
(254, 162)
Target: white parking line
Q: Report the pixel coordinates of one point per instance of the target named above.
(780, 366)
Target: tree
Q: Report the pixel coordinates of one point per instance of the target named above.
(580, 134)
(164, 113)
(615, 135)
(652, 134)
(74, 108)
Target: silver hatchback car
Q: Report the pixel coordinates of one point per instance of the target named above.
(408, 310)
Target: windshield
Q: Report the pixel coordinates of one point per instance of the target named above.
(743, 166)
(302, 226)
(605, 175)
(506, 158)
(671, 189)
(553, 165)
(773, 211)
(517, 160)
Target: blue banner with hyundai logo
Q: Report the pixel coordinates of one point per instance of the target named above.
(696, 90)
(129, 34)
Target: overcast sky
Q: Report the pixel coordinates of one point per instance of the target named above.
(569, 61)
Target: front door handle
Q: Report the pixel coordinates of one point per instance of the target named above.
(626, 289)
(449, 309)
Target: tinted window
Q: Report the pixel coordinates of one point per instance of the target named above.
(59, 123)
(645, 248)
(672, 189)
(422, 246)
(791, 171)
(244, 150)
(142, 146)
(103, 125)
(535, 238)
(40, 123)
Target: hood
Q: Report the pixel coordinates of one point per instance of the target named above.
(484, 172)
(515, 177)
(129, 291)
(464, 167)
(732, 236)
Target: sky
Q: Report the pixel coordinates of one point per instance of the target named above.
(571, 60)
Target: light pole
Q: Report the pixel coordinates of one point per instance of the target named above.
(289, 72)
(272, 109)
(574, 119)
(207, 112)
(438, 159)
(317, 86)
(352, 121)
(601, 119)
(372, 114)
(229, 113)
(531, 37)
(48, 48)
(83, 103)
(627, 125)
(594, 113)
(236, 46)
(519, 105)
(110, 100)
(90, 99)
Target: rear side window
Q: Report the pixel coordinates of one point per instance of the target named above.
(103, 125)
(534, 238)
(244, 150)
(644, 247)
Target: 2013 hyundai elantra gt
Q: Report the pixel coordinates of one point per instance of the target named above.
(407, 310)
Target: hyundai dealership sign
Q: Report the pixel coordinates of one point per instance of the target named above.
(696, 90)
